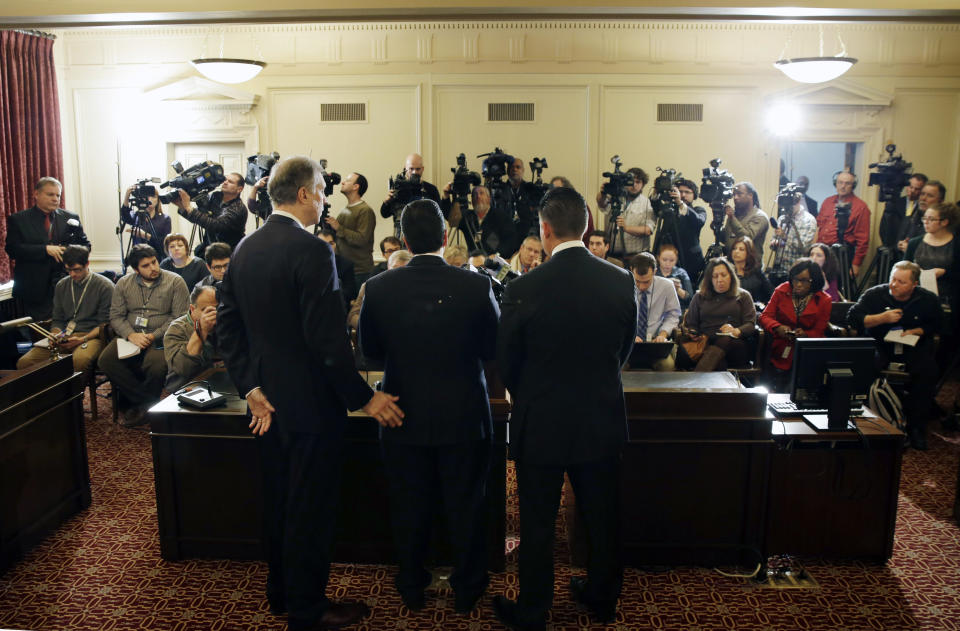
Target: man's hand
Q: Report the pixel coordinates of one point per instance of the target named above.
(729, 211)
(601, 200)
(333, 223)
(902, 245)
(143, 340)
(390, 195)
(448, 190)
(382, 407)
(892, 316)
(261, 412)
(182, 201)
(70, 343)
(917, 331)
(56, 251)
(661, 337)
(621, 223)
(208, 321)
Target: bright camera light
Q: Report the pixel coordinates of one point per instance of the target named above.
(783, 119)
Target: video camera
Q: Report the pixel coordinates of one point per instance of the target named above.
(891, 176)
(197, 181)
(617, 181)
(143, 190)
(716, 187)
(663, 185)
(331, 178)
(790, 193)
(463, 181)
(259, 167)
(495, 166)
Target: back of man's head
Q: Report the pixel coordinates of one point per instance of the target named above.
(290, 175)
(216, 251)
(75, 255)
(565, 211)
(422, 226)
(643, 263)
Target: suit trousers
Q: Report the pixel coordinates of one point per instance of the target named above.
(140, 378)
(596, 486)
(423, 477)
(301, 487)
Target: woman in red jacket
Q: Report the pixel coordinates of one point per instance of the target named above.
(797, 308)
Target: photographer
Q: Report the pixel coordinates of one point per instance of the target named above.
(795, 234)
(637, 219)
(354, 227)
(253, 204)
(522, 201)
(148, 225)
(412, 172)
(485, 227)
(224, 217)
(856, 237)
(690, 220)
(745, 219)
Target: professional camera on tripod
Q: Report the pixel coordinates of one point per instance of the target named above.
(142, 203)
(331, 179)
(716, 188)
(463, 182)
(403, 190)
(537, 165)
(616, 189)
(665, 208)
(494, 169)
(197, 182)
(258, 167)
(789, 195)
(891, 176)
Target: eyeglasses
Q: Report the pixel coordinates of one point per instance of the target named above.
(931, 219)
(220, 268)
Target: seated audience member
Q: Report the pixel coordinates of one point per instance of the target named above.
(904, 308)
(749, 269)
(797, 233)
(911, 226)
(181, 262)
(388, 246)
(189, 347)
(144, 304)
(397, 259)
(798, 308)
(599, 244)
(667, 259)
(822, 254)
(348, 279)
(724, 314)
(217, 258)
(659, 308)
(528, 256)
(81, 304)
(150, 225)
(558, 181)
(455, 255)
(937, 250)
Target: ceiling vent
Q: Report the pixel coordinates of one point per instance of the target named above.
(509, 112)
(680, 112)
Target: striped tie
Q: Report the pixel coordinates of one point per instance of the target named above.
(642, 318)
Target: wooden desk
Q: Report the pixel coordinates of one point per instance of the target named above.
(694, 471)
(44, 477)
(209, 491)
(834, 494)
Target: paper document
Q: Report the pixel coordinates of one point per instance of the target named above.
(928, 280)
(126, 349)
(893, 335)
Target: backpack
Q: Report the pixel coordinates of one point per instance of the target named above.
(883, 400)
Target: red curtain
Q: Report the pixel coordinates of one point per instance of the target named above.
(30, 146)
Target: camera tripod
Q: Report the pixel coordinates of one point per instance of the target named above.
(667, 232)
(717, 248)
(141, 222)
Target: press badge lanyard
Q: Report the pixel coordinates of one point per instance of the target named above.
(72, 324)
(141, 321)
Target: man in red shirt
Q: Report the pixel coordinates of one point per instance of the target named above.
(857, 235)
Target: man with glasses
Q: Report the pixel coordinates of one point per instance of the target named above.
(931, 192)
(217, 258)
(81, 305)
(388, 246)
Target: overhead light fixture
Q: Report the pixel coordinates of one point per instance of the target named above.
(815, 69)
(228, 70)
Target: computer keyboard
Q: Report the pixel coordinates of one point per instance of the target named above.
(789, 408)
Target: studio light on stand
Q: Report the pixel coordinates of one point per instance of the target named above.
(228, 70)
(815, 69)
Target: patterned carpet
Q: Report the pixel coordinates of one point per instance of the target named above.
(103, 571)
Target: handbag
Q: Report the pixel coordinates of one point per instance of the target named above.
(694, 349)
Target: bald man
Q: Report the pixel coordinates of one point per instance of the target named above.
(399, 197)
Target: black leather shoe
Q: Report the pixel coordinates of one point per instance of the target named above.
(918, 439)
(134, 417)
(337, 616)
(414, 602)
(604, 612)
(466, 602)
(508, 614)
(278, 607)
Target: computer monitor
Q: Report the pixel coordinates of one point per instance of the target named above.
(834, 374)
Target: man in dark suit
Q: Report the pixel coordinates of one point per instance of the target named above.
(568, 410)
(36, 239)
(282, 332)
(433, 326)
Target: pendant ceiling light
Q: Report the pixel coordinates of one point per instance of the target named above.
(815, 69)
(226, 70)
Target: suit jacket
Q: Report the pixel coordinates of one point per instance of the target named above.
(281, 326)
(567, 394)
(433, 326)
(36, 273)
